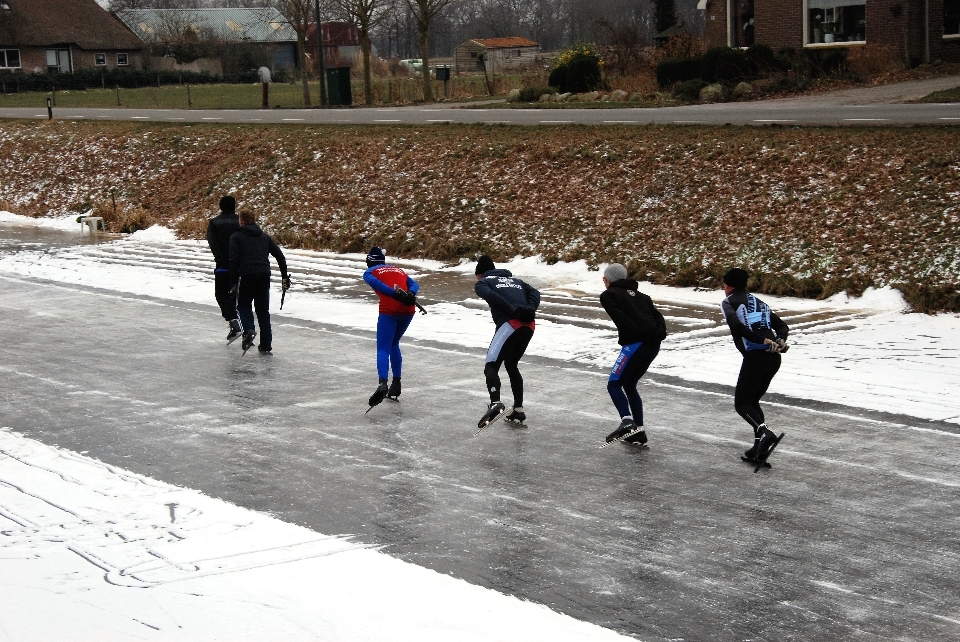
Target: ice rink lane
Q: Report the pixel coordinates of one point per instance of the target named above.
(851, 535)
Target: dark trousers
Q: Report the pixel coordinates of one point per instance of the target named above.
(756, 373)
(631, 364)
(255, 289)
(221, 289)
(507, 348)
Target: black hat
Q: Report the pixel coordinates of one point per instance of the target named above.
(228, 204)
(376, 256)
(484, 265)
(736, 278)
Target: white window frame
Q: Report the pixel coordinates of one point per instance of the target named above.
(19, 57)
(814, 45)
(100, 59)
(59, 55)
(125, 59)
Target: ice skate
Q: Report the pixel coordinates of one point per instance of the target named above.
(378, 395)
(394, 392)
(768, 441)
(627, 428)
(248, 338)
(235, 331)
(494, 411)
(637, 438)
(516, 416)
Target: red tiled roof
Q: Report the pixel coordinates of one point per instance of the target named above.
(505, 43)
(59, 22)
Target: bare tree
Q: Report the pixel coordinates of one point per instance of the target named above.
(367, 14)
(424, 11)
(298, 13)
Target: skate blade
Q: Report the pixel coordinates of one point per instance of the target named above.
(483, 426)
(229, 341)
(762, 463)
(624, 436)
(753, 462)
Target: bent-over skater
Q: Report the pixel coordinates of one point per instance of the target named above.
(398, 298)
(250, 250)
(513, 304)
(219, 230)
(640, 329)
(760, 336)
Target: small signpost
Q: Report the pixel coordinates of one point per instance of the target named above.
(265, 81)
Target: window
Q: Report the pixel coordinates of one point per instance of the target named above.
(58, 60)
(951, 17)
(831, 21)
(9, 58)
(741, 23)
(122, 59)
(100, 59)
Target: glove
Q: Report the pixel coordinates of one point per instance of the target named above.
(772, 346)
(404, 297)
(285, 283)
(523, 315)
(783, 345)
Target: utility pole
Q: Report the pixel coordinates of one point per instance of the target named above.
(321, 67)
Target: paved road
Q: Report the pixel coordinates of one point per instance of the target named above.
(859, 106)
(852, 535)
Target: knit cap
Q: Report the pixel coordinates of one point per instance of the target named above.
(376, 256)
(615, 272)
(484, 265)
(736, 278)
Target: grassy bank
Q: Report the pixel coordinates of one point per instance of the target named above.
(811, 212)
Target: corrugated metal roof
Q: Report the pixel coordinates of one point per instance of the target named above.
(505, 43)
(236, 25)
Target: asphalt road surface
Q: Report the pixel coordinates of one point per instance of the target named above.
(851, 535)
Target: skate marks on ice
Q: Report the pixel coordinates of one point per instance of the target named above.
(138, 531)
(89, 551)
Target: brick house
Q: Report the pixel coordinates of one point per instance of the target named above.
(498, 54)
(924, 30)
(64, 35)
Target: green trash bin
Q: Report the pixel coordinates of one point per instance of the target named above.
(338, 86)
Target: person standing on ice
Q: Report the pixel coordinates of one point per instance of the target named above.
(219, 230)
(398, 298)
(760, 336)
(513, 304)
(250, 251)
(640, 329)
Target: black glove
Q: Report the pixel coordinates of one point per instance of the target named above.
(408, 298)
(285, 283)
(523, 315)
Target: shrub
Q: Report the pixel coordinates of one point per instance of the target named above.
(578, 70)
(723, 64)
(678, 70)
(689, 90)
(532, 94)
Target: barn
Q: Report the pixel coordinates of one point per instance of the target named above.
(495, 55)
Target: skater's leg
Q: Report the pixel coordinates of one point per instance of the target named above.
(619, 385)
(396, 358)
(615, 388)
(261, 302)
(756, 373)
(226, 300)
(513, 351)
(495, 356)
(386, 326)
(245, 293)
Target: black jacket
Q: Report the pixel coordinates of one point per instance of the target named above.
(250, 251)
(633, 313)
(219, 231)
(505, 293)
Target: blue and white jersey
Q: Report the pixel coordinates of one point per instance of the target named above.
(751, 321)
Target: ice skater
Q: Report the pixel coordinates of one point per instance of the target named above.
(640, 329)
(760, 336)
(398, 298)
(513, 304)
(219, 230)
(250, 250)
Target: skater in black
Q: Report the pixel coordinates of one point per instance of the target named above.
(513, 305)
(219, 230)
(640, 329)
(760, 336)
(250, 251)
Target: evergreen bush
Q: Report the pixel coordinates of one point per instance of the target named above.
(578, 70)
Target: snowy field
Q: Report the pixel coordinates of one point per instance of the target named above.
(98, 553)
